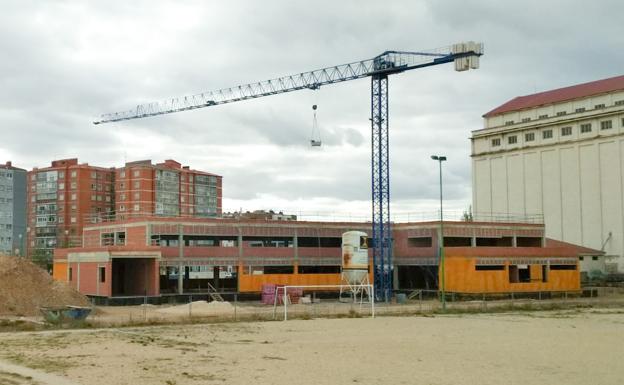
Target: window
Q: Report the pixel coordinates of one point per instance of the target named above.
(419, 242)
(561, 113)
(562, 267)
(509, 123)
(581, 109)
(581, 258)
(598, 106)
(512, 139)
(61, 186)
(547, 134)
(72, 219)
(519, 273)
(543, 116)
(606, 124)
(122, 197)
(73, 185)
(619, 103)
(61, 174)
(69, 273)
(594, 258)
(526, 120)
(102, 274)
(73, 196)
(136, 196)
(122, 185)
(137, 207)
(122, 208)
(122, 174)
(136, 173)
(137, 184)
(93, 175)
(93, 187)
(566, 131)
(73, 174)
(489, 267)
(529, 137)
(93, 198)
(107, 198)
(586, 127)
(495, 142)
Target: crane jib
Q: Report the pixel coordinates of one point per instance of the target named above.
(464, 55)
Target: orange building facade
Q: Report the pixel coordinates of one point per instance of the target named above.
(163, 256)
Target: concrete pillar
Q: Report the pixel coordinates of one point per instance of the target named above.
(241, 266)
(473, 242)
(181, 268)
(215, 272)
(395, 278)
(514, 241)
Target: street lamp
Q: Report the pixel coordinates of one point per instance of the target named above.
(441, 159)
(21, 244)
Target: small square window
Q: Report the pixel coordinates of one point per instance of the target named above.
(509, 123)
(547, 134)
(122, 174)
(581, 109)
(495, 142)
(586, 127)
(136, 173)
(526, 120)
(543, 116)
(619, 103)
(606, 125)
(512, 139)
(598, 106)
(73, 174)
(529, 137)
(566, 131)
(561, 113)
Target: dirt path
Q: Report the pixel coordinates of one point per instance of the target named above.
(11, 374)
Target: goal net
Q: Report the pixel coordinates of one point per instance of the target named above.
(309, 301)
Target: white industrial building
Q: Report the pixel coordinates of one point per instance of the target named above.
(559, 153)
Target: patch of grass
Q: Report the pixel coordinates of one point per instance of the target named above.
(46, 364)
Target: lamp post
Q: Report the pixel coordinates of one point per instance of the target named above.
(441, 159)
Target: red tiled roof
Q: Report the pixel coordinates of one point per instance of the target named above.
(580, 250)
(559, 95)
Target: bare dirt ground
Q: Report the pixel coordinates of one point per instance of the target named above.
(582, 346)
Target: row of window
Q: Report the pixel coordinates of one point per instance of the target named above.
(548, 133)
(54, 175)
(7, 174)
(563, 113)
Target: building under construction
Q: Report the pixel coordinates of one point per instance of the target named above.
(160, 256)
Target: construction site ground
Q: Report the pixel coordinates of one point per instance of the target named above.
(577, 345)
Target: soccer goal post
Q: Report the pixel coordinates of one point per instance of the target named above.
(283, 294)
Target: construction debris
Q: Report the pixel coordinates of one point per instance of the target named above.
(24, 288)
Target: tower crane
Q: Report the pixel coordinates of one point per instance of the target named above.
(464, 55)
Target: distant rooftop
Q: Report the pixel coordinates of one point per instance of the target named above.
(559, 95)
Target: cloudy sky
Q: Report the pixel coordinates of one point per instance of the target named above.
(63, 63)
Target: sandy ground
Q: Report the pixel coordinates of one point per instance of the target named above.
(555, 347)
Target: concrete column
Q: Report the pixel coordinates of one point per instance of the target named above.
(215, 271)
(473, 242)
(181, 268)
(296, 250)
(241, 266)
(395, 277)
(514, 241)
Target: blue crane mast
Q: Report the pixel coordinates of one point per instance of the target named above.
(464, 55)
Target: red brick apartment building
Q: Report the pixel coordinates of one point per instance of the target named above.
(61, 200)
(66, 196)
(166, 189)
(157, 256)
